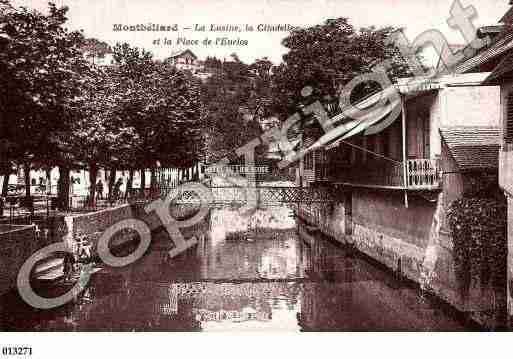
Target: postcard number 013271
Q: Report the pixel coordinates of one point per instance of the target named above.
(16, 351)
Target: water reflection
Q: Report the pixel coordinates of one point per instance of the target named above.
(245, 274)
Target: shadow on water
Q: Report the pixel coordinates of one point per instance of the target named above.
(246, 273)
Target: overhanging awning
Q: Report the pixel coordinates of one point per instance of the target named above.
(384, 107)
(369, 117)
(473, 148)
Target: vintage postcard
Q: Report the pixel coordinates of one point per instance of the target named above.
(255, 166)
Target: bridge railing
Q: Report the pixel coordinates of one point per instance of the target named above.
(270, 194)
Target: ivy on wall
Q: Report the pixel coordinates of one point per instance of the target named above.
(478, 228)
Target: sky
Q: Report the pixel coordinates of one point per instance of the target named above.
(97, 18)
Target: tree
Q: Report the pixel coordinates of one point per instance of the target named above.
(163, 106)
(236, 97)
(6, 165)
(328, 56)
(40, 65)
(97, 134)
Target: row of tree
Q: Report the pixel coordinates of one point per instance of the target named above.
(57, 108)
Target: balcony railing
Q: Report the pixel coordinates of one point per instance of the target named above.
(370, 174)
(421, 174)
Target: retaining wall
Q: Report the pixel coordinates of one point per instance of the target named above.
(510, 260)
(410, 241)
(17, 244)
(92, 225)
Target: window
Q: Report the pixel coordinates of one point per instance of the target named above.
(508, 123)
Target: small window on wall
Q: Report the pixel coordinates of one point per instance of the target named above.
(508, 125)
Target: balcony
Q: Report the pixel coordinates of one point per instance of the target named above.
(421, 174)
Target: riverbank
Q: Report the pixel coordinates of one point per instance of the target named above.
(251, 283)
(311, 234)
(406, 256)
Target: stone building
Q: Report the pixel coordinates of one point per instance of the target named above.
(393, 187)
(184, 60)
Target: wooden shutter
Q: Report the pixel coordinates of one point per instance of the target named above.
(508, 130)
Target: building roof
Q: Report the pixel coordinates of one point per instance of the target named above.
(496, 49)
(490, 34)
(181, 53)
(503, 69)
(414, 86)
(492, 30)
(473, 147)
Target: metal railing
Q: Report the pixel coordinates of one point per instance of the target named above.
(423, 173)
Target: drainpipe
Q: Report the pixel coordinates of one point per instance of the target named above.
(405, 159)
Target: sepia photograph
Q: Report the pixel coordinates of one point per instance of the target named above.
(260, 166)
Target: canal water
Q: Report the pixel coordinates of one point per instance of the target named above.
(247, 273)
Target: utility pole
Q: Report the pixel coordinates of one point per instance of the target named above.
(405, 159)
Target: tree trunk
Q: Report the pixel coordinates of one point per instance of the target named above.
(3, 190)
(153, 182)
(129, 183)
(49, 180)
(112, 180)
(152, 178)
(143, 180)
(26, 172)
(5, 185)
(63, 188)
(93, 174)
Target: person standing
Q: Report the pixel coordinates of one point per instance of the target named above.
(99, 189)
(117, 189)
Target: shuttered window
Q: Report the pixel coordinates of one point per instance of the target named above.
(508, 130)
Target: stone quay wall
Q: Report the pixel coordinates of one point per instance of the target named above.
(92, 225)
(17, 244)
(510, 259)
(409, 241)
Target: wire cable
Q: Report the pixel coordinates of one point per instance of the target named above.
(363, 149)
